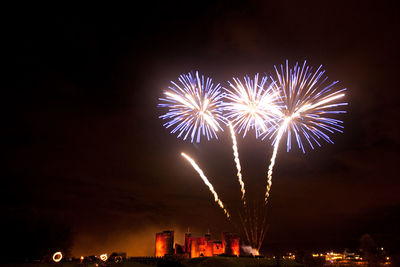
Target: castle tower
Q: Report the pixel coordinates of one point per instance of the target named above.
(164, 243)
(188, 242)
(208, 245)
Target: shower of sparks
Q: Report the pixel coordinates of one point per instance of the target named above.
(251, 105)
(194, 107)
(305, 110)
(205, 180)
(238, 167)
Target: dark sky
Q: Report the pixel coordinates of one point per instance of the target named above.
(84, 146)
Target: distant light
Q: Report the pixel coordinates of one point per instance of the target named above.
(103, 257)
(118, 259)
(57, 257)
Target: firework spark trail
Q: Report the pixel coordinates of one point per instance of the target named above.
(238, 167)
(205, 180)
(275, 152)
(244, 227)
(253, 223)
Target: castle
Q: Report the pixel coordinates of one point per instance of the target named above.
(197, 246)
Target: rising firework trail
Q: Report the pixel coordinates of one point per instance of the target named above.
(237, 161)
(205, 180)
(281, 130)
(307, 105)
(194, 107)
(251, 105)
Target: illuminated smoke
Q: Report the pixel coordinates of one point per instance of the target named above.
(250, 251)
(238, 167)
(205, 180)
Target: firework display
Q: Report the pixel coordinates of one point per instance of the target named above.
(293, 103)
(194, 107)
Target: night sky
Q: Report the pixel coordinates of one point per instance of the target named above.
(88, 161)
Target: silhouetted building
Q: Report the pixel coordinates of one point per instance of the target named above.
(188, 242)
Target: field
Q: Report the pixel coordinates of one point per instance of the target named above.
(196, 262)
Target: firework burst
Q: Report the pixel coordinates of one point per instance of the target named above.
(306, 109)
(251, 104)
(193, 107)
